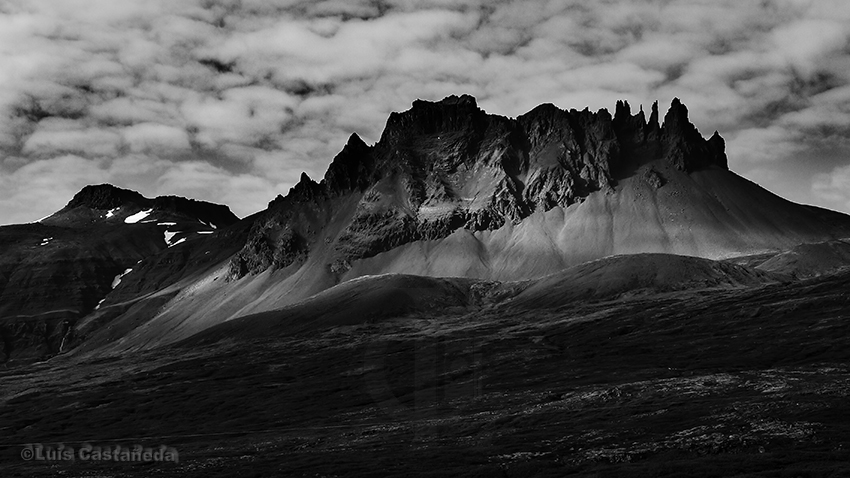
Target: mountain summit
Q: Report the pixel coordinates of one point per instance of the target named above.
(96, 203)
(105, 196)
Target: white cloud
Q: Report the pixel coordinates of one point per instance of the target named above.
(756, 146)
(45, 186)
(833, 188)
(153, 137)
(95, 142)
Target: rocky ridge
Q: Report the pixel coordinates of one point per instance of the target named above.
(446, 165)
(94, 203)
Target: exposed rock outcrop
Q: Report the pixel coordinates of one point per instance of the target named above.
(683, 145)
(446, 165)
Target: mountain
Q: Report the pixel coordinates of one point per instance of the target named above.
(61, 268)
(448, 191)
(566, 293)
(451, 191)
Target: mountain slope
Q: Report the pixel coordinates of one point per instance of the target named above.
(373, 299)
(635, 274)
(809, 260)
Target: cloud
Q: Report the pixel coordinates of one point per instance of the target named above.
(204, 181)
(833, 188)
(245, 115)
(154, 138)
(764, 145)
(230, 100)
(45, 186)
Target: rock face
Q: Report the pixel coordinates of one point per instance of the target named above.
(58, 270)
(448, 165)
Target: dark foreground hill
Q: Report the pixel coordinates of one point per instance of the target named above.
(725, 381)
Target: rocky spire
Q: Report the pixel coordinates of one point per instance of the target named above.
(653, 118)
(717, 146)
(683, 145)
(352, 168)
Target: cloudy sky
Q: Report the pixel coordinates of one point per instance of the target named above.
(230, 100)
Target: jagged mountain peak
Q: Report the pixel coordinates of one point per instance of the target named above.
(352, 168)
(446, 165)
(676, 118)
(451, 114)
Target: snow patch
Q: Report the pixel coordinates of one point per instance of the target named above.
(205, 232)
(138, 216)
(111, 212)
(178, 242)
(99, 303)
(117, 279)
(45, 241)
(208, 224)
(166, 224)
(169, 236)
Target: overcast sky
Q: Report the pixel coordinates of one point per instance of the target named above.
(230, 100)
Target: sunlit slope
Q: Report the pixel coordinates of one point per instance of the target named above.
(711, 213)
(809, 260)
(371, 299)
(621, 276)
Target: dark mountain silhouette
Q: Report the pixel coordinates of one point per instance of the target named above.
(58, 270)
(105, 202)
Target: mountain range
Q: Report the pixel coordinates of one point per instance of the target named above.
(565, 293)
(473, 208)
